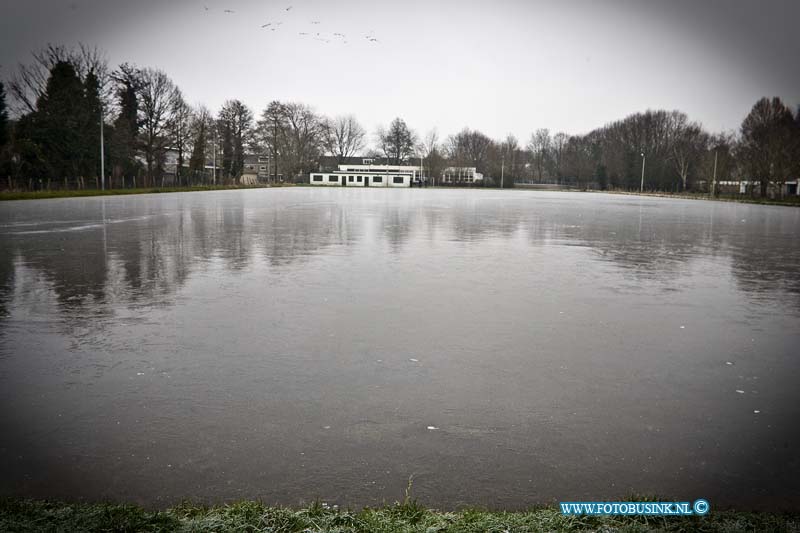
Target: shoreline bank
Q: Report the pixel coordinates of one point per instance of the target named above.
(85, 193)
(409, 516)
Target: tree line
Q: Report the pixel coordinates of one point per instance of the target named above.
(64, 95)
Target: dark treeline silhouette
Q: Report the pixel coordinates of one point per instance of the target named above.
(154, 138)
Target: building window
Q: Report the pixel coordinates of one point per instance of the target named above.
(377, 179)
(333, 178)
(398, 179)
(317, 177)
(359, 179)
(350, 179)
(262, 167)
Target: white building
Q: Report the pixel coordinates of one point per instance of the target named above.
(461, 175)
(368, 175)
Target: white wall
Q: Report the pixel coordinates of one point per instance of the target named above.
(373, 183)
(326, 182)
(355, 182)
(406, 181)
(385, 180)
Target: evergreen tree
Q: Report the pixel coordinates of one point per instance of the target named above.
(602, 177)
(197, 161)
(5, 160)
(58, 121)
(91, 129)
(122, 145)
(201, 126)
(179, 133)
(227, 150)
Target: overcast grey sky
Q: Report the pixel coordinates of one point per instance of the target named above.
(500, 67)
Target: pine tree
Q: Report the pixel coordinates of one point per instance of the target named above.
(58, 121)
(91, 129)
(197, 161)
(201, 135)
(122, 145)
(179, 133)
(227, 150)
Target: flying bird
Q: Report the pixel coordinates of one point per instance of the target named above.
(288, 8)
(303, 33)
(267, 24)
(230, 11)
(314, 22)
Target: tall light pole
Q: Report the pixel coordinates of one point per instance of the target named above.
(214, 170)
(714, 179)
(502, 170)
(102, 153)
(641, 185)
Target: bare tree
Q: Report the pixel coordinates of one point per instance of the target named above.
(180, 133)
(558, 148)
(397, 142)
(302, 138)
(157, 96)
(717, 163)
(577, 161)
(469, 148)
(767, 139)
(237, 121)
(342, 137)
(688, 143)
(271, 132)
(540, 149)
(201, 130)
(30, 80)
(512, 159)
(431, 153)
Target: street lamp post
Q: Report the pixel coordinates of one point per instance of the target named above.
(214, 157)
(641, 185)
(102, 153)
(502, 170)
(714, 179)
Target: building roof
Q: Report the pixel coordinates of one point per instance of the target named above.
(330, 162)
